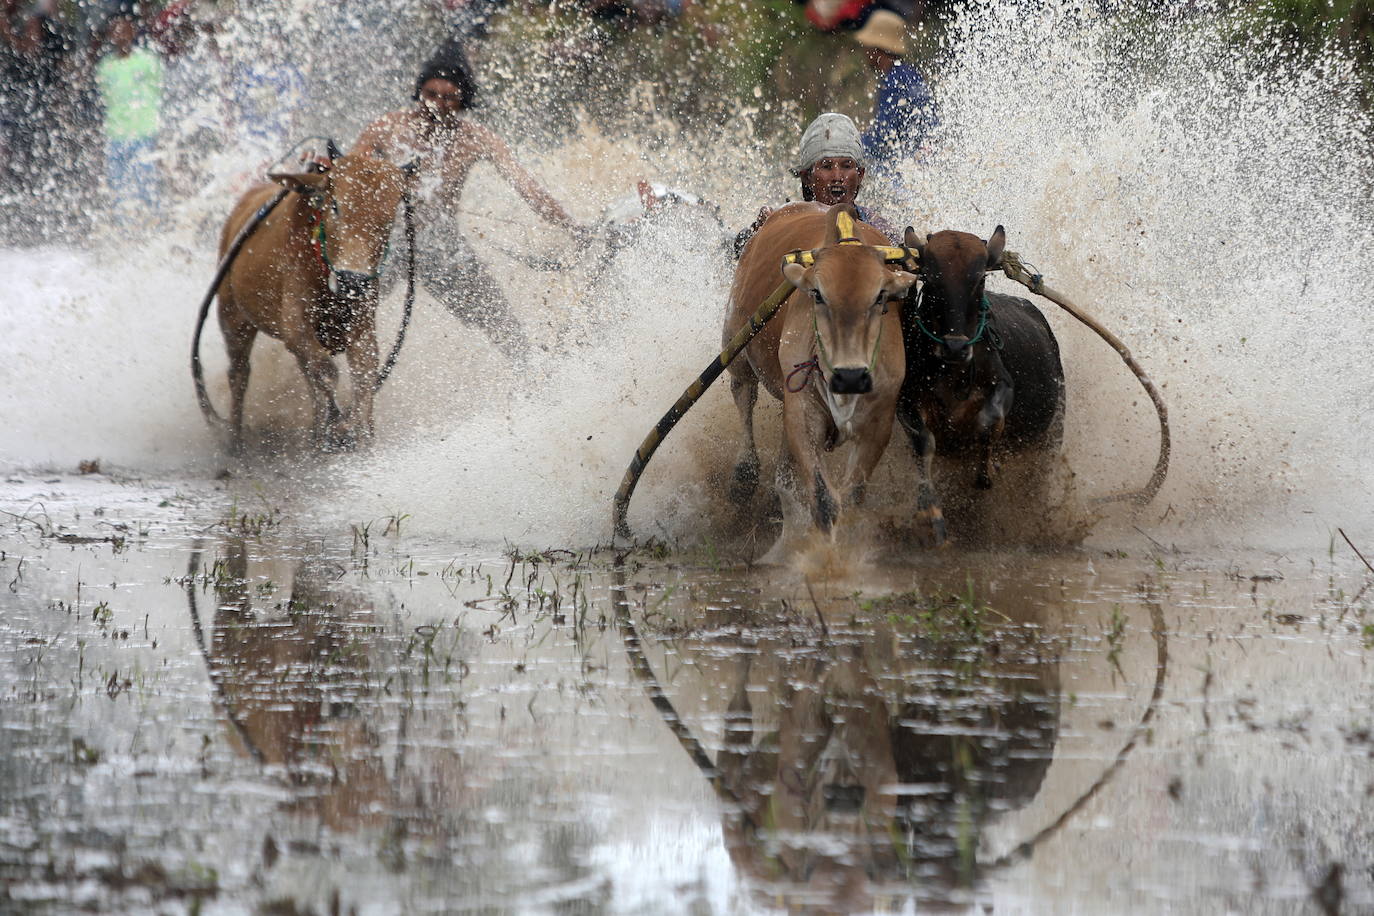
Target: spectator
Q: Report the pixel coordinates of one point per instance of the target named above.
(269, 91)
(904, 112)
(33, 63)
(129, 77)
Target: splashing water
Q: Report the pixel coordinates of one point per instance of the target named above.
(1202, 200)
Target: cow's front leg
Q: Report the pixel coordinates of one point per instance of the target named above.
(927, 503)
(322, 377)
(744, 388)
(874, 433)
(992, 421)
(807, 428)
(362, 372)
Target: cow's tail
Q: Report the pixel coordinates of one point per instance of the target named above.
(197, 372)
(1013, 267)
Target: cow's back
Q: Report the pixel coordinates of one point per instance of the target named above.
(272, 260)
(247, 206)
(795, 226)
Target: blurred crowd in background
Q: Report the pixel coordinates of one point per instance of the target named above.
(108, 108)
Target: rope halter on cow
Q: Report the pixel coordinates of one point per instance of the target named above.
(984, 308)
(319, 242)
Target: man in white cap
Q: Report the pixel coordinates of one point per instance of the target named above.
(904, 113)
(830, 163)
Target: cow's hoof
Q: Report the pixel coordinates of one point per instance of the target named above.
(938, 532)
(744, 482)
(340, 440)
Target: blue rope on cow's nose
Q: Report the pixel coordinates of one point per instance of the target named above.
(983, 309)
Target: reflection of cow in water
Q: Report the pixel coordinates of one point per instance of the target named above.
(851, 796)
(865, 770)
(294, 683)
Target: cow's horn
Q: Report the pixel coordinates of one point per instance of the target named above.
(845, 214)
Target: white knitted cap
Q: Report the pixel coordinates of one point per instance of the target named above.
(832, 134)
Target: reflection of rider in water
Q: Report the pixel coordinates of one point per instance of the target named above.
(445, 144)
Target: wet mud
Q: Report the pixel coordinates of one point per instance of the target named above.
(207, 707)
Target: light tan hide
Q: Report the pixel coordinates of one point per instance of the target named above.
(844, 315)
(318, 302)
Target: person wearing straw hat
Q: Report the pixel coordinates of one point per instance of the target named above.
(904, 110)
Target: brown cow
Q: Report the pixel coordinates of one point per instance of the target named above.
(833, 355)
(308, 277)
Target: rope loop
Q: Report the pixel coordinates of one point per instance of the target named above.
(984, 308)
(809, 367)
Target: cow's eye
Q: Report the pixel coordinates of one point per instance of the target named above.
(334, 207)
(817, 297)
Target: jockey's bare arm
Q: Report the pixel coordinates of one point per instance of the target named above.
(540, 200)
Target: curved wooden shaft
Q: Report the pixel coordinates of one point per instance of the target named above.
(694, 391)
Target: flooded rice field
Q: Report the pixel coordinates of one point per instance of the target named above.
(208, 708)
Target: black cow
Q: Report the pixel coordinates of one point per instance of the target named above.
(983, 376)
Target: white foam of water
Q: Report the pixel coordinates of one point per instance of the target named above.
(1208, 206)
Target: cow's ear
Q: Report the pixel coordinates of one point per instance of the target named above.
(996, 245)
(301, 181)
(913, 241)
(897, 283)
(798, 276)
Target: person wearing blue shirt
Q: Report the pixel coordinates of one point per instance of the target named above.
(904, 114)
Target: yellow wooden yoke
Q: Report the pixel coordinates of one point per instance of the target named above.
(844, 225)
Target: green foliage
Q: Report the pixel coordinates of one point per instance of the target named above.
(1312, 23)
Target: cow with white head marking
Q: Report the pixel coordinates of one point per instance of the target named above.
(833, 355)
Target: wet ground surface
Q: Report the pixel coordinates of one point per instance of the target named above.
(205, 707)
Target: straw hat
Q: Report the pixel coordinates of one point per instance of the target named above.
(884, 30)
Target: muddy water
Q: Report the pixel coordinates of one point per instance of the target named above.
(206, 707)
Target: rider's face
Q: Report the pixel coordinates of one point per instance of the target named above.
(836, 180)
(440, 99)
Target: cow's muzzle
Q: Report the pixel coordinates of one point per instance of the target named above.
(851, 381)
(352, 284)
(956, 349)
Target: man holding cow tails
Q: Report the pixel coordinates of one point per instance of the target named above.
(444, 144)
(831, 163)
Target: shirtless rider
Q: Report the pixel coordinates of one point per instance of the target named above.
(437, 136)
